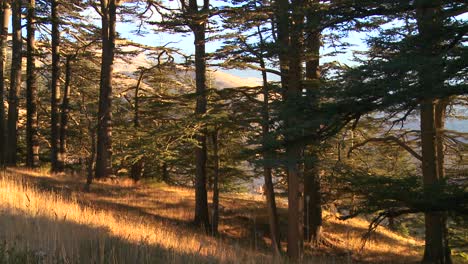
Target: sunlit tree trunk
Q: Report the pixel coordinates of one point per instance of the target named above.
(198, 27)
(137, 168)
(4, 22)
(56, 161)
(104, 129)
(32, 144)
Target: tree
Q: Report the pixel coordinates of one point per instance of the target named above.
(4, 21)
(65, 107)
(418, 65)
(198, 19)
(215, 213)
(55, 159)
(252, 23)
(290, 44)
(69, 37)
(32, 143)
(107, 12)
(430, 28)
(312, 188)
(15, 85)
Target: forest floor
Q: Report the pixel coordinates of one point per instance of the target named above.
(51, 219)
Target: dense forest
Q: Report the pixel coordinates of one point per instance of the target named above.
(376, 130)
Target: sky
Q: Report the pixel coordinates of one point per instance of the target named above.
(184, 42)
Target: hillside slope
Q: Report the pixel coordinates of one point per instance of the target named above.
(52, 219)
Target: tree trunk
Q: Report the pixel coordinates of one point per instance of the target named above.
(282, 28)
(65, 109)
(136, 111)
(429, 21)
(165, 173)
(136, 171)
(91, 158)
(4, 21)
(440, 114)
(104, 132)
(282, 13)
(56, 161)
(267, 171)
(201, 197)
(440, 109)
(15, 85)
(292, 122)
(92, 152)
(312, 190)
(312, 198)
(32, 144)
(215, 219)
(436, 249)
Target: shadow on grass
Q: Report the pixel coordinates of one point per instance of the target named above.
(244, 225)
(106, 196)
(42, 240)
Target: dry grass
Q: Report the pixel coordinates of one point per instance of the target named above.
(50, 218)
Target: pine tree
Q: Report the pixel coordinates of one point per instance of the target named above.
(65, 107)
(108, 13)
(15, 85)
(32, 159)
(417, 65)
(4, 22)
(430, 28)
(249, 46)
(56, 161)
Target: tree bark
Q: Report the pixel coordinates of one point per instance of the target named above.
(312, 198)
(282, 28)
(198, 27)
(92, 152)
(32, 144)
(137, 168)
(201, 199)
(282, 20)
(15, 85)
(293, 146)
(65, 109)
(215, 219)
(91, 158)
(165, 173)
(104, 131)
(267, 170)
(312, 187)
(436, 249)
(4, 22)
(56, 161)
(430, 28)
(440, 109)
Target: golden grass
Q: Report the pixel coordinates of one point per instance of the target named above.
(51, 219)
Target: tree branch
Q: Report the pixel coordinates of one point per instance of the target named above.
(387, 139)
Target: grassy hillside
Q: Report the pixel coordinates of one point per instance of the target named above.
(50, 219)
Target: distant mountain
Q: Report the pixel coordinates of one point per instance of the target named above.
(128, 73)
